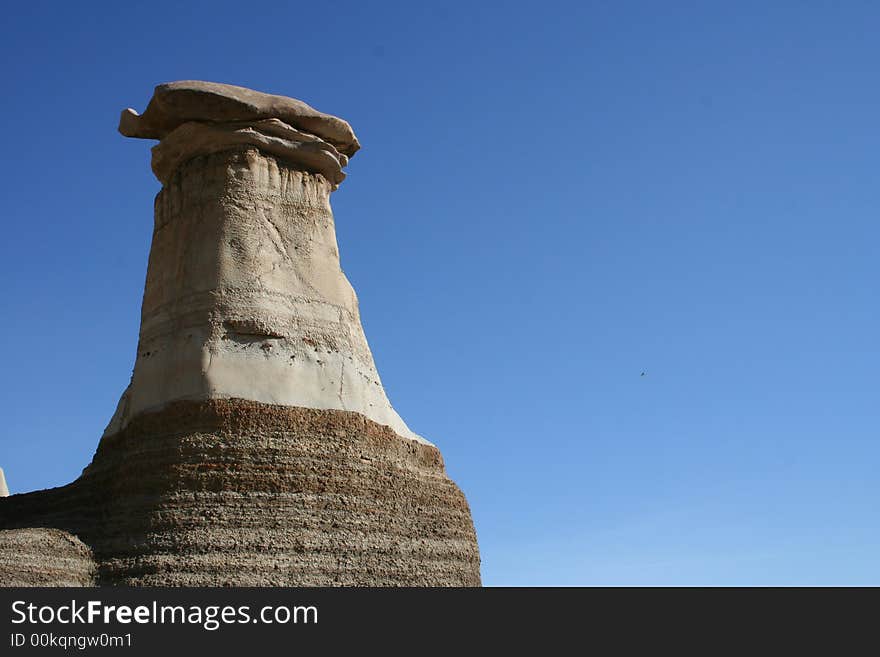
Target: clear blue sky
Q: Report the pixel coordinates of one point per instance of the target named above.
(551, 199)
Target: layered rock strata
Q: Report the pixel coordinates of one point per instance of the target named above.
(233, 492)
(255, 444)
(44, 557)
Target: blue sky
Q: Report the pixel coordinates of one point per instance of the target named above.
(551, 199)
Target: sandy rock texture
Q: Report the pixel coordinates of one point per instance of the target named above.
(234, 492)
(175, 103)
(192, 117)
(245, 296)
(44, 557)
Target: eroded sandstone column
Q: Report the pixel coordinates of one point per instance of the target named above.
(255, 444)
(245, 297)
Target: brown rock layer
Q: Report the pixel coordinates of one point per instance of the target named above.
(234, 492)
(44, 557)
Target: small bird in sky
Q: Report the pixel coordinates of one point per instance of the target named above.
(643, 373)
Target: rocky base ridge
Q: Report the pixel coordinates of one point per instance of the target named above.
(234, 492)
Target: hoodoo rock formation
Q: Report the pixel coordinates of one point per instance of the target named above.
(255, 444)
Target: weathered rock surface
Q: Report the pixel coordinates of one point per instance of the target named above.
(270, 136)
(175, 103)
(232, 492)
(255, 444)
(245, 297)
(197, 118)
(44, 557)
(4, 491)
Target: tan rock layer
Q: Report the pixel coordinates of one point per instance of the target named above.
(233, 492)
(176, 103)
(271, 136)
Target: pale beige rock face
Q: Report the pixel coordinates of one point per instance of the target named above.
(4, 491)
(245, 297)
